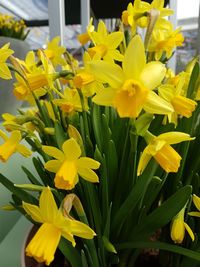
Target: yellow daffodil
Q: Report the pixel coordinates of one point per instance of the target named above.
(12, 145)
(29, 63)
(136, 13)
(178, 228)
(196, 201)
(35, 79)
(22, 90)
(9, 121)
(164, 39)
(160, 148)
(86, 36)
(54, 225)
(68, 164)
(70, 101)
(130, 87)
(55, 52)
(182, 105)
(105, 44)
(85, 78)
(5, 52)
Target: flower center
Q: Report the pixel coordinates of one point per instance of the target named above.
(130, 99)
(98, 49)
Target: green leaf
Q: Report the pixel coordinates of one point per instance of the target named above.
(108, 245)
(44, 176)
(83, 259)
(133, 198)
(160, 245)
(61, 135)
(30, 176)
(96, 125)
(24, 196)
(142, 123)
(70, 253)
(193, 79)
(163, 214)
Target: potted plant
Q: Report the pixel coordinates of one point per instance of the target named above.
(117, 137)
(14, 32)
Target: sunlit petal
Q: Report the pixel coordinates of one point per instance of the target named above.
(153, 74)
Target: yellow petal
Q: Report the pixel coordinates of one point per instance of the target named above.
(69, 237)
(24, 151)
(48, 207)
(115, 54)
(153, 74)
(15, 137)
(175, 137)
(102, 29)
(166, 92)
(82, 230)
(53, 165)
(53, 152)
(3, 135)
(71, 149)
(104, 97)
(194, 213)
(66, 177)
(157, 105)
(183, 105)
(5, 72)
(114, 39)
(88, 174)
(178, 231)
(189, 230)
(86, 162)
(130, 100)
(33, 211)
(168, 158)
(144, 160)
(107, 72)
(134, 58)
(196, 201)
(44, 244)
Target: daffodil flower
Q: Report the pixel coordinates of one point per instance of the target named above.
(164, 39)
(55, 52)
(85, 78)
(86, 36)
(178, 228)
(5, 52)
(54, 225)
(196, 201)
(105, 44)
(160, 148)
(68, 164)
(70, 102)
(136, 13)
(182, 105)
(131, 87)
(12, 145)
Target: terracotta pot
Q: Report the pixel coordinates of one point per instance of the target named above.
(8, 102)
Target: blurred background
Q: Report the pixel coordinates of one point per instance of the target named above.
(38, 13)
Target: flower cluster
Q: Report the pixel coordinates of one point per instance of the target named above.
(11, 27)
(115, 134)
